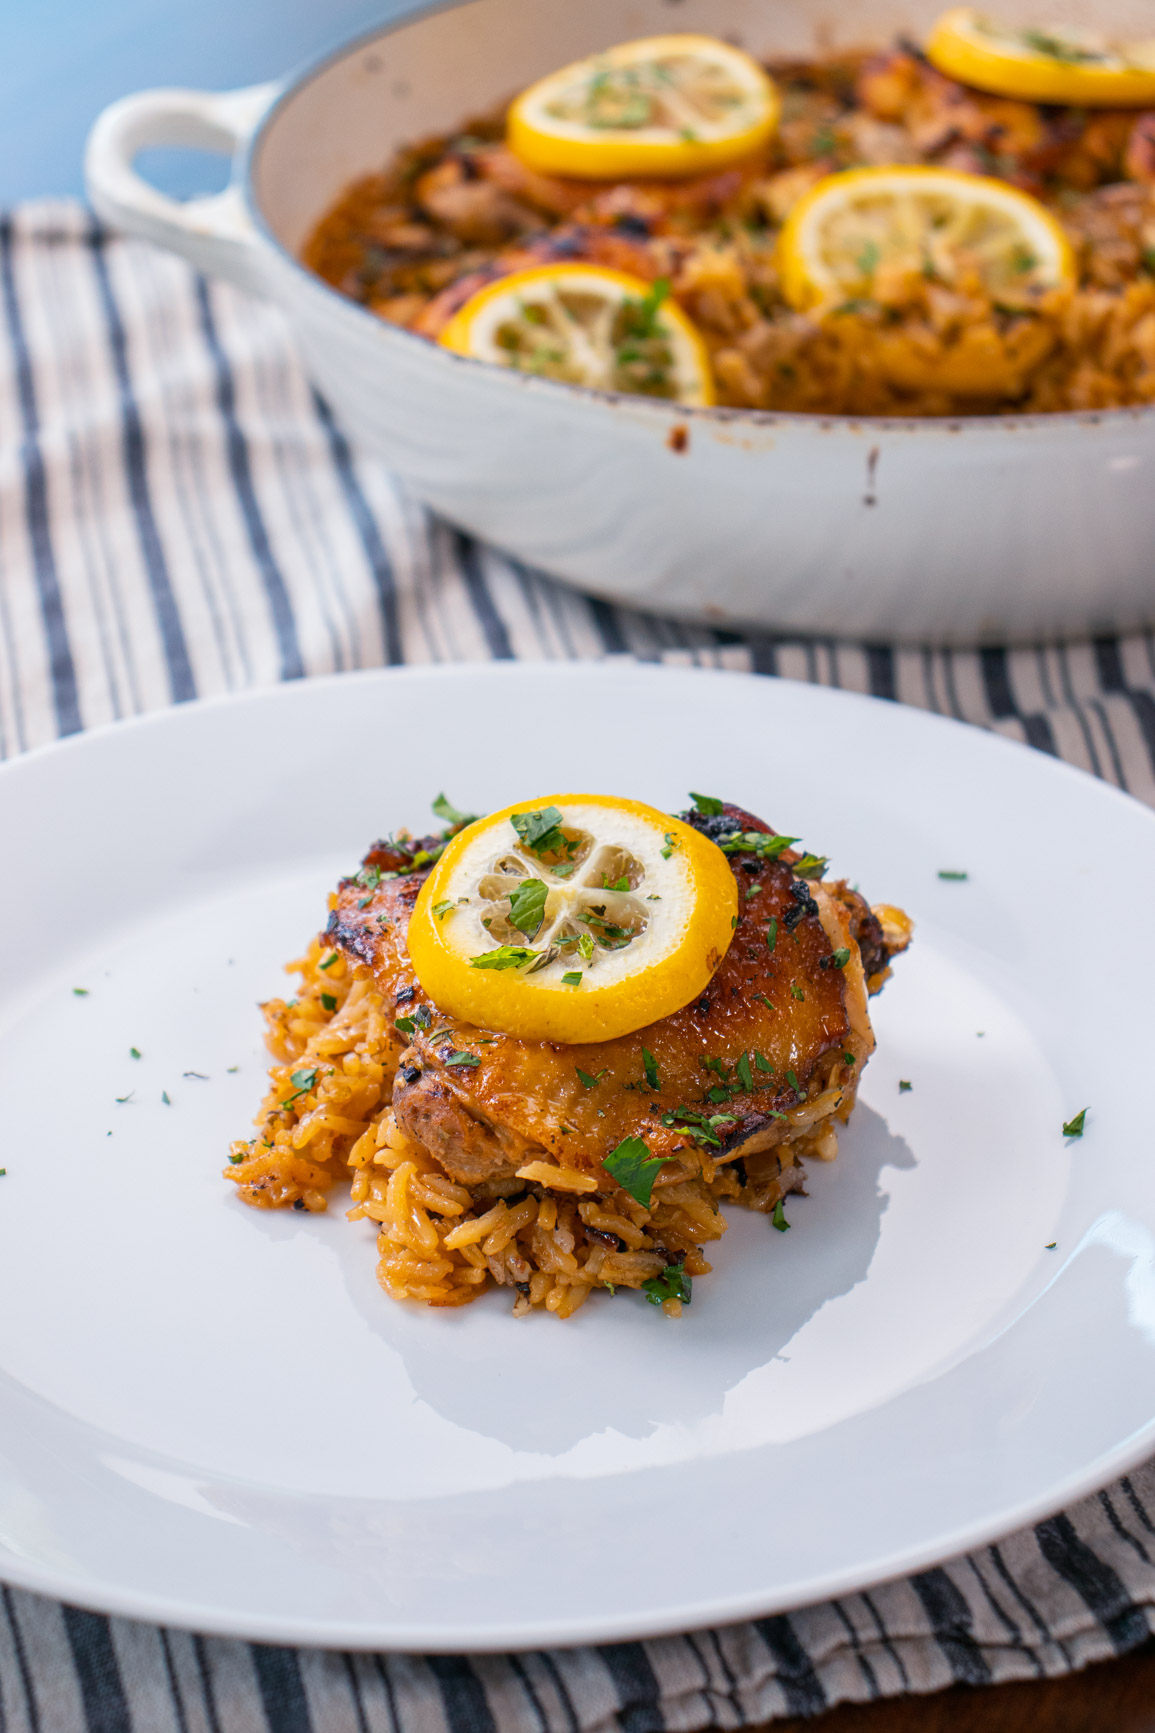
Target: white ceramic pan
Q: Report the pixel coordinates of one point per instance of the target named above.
(952, 530)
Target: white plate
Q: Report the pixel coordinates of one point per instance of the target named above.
(212, 1417)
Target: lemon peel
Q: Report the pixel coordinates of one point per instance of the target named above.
(851, 225)
(639, 905)
(1060, 65)
(586, 325)
(664, 107)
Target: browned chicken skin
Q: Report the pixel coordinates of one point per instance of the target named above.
(779, 993)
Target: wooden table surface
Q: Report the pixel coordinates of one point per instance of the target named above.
(1112, 1697)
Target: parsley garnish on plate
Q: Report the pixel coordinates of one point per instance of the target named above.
(586, 1080)
(329, 1001)
(622, 884)
(954, 877)
(672, 1284)
(778, 1219)
(302, 1082)
(449, 814)
(841, 957)
(771, 941)
(904, 1086)
(527, 907)
(634, 1168)
(442, 908)
(81, 992)
(135, 1051)
(541, 831)
(504, 957)
(329, 961)
(811, 866)
(671, 844)
(461, 1058)
(742, 1069)
(1074, 1127)
(757, 842)
(706, 804)
(763, 1063)
(650, 1067)
(572, 978)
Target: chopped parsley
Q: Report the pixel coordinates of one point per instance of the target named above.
(622, 884)
(796, 991)
(588, 1082)
(841, 957)
(778, 1219)
(302, 1082)
(793, 1082)
(329, 961)
(848, 1058)
(123, 1098)
(745, 1077)
(811, 866)
(672, 1284)
(164, 1097)
(948, 873)
(671, 844)
(690, 1123)
(572, 978)
(763, 1063)
(541, 832)
(634, 1168)
(650, 1067)
(461, 1058)
(1050, 1246)
(504, 957)
(527, 907)
(135, 1051)
(585, 945)
(1074, 1127)
(81, 992)
(442, 908)
(329, 1001)
(706, 804)
(904, 1086)
(758, 842)
(771, 941)
(449, 815)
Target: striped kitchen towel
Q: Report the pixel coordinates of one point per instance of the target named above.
(180, 515)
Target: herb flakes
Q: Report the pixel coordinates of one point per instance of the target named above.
(672, 1284)
(504, 957)
(527, 907)
(588, 1082)
(1075, 1127)
(634, 1168)
(461, 1057)
(778, 1219)
(650, 1067)
(707, 805)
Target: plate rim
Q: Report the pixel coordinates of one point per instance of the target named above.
(173, 1610)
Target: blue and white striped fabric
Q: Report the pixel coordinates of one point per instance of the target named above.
(181, 516)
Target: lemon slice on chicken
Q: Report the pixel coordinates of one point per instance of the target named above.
(935, 223)
(1055, 63)
(586, 325)
(664, 106)
(578, 917)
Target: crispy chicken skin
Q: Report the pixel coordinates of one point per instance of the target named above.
(779, 992)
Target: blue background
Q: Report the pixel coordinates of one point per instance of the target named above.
(62, 61)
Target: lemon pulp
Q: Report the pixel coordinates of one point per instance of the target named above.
(663, 106)
(574, 918)
(1056, 63)
(586, 325)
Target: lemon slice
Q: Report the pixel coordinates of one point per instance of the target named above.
(579, 917)
(931, 222)
(586, 325)
(1055, 63)
(664, 106)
